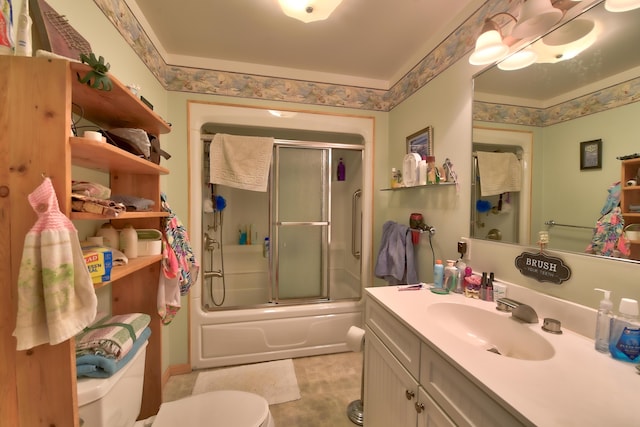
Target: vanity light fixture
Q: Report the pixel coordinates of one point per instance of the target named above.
(489, 46)
(621, 5)
(309, 10)
(567, 42)
(536, 18)
(518, 60)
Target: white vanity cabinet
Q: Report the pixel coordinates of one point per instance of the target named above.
(408, 384)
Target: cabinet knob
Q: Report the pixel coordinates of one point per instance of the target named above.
(409, 394)
(419, 407)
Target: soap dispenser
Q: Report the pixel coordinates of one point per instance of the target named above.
(603, 321)
(624, 343)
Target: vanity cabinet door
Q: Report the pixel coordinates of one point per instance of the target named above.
(390, 391)
(431, 415)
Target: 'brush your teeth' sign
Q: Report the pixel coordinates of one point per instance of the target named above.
(542, 267)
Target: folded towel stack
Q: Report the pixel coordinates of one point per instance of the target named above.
(112, 338)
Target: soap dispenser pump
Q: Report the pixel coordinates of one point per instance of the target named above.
(603, 322)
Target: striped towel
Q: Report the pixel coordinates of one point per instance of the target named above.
(112, 338)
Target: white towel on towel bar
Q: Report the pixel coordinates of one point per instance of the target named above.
(499, 173)
(240, 161)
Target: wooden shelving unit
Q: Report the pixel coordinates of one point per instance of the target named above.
(38, 386)
(631, 196)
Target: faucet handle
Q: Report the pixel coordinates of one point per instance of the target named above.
(506, 304)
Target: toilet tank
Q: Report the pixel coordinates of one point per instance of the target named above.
(113, 401)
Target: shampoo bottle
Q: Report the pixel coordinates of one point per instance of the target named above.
(438, 274)
(624, 343)
(341, 171)
(603, 322)
(450, 276)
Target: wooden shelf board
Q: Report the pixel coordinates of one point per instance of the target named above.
(117, 108)
(134, 265)
(124, 215)
(100, 155)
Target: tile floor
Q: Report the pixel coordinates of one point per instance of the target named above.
(327, 384)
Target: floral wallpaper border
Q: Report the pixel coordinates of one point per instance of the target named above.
(455, 46)
(595, 102)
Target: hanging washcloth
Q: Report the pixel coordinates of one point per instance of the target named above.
(499, 173)
(396, 263)
(240, 161)
(179, 267)
(56, 297)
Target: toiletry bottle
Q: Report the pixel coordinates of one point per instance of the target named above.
(265, 248)
(129, 241)
(394, 178)
(461, 266)
(23, 33)
(450, 276)
(624, 343)
(422, 172)
(341, 171)
(438, 274)
(603, 321)
(109, 235)
(483, 286)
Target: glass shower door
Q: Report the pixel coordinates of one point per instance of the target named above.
(301, 226)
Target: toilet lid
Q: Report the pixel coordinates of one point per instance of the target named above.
(227, 408)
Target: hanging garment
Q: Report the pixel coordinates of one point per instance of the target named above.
(179, 265)
(608, 236)
(56, 297)
(396, 263)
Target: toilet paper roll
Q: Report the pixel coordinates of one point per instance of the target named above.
(355, 339)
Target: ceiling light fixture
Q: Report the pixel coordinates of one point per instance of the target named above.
(309, 10)
(567, 42)
(489, 46)
(536, 17)
(518, 60)
(621, 5)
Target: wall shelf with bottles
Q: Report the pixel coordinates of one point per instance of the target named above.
(442, 184)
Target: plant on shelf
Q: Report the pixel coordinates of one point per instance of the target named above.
(96, 78)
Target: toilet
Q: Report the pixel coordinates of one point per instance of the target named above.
(116, 401)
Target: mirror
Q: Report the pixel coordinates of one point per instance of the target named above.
(563, 106)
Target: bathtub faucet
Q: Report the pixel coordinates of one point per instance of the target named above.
(213, 273)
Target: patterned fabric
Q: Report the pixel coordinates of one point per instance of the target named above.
(114, 337)
(608, 236)
(179, 263)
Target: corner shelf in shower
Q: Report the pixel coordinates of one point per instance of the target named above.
(442, 184)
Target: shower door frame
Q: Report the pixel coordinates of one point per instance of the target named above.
(274, 260)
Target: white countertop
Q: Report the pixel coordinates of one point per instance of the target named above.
(577, 386)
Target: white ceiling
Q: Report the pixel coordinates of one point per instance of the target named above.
(370, 43)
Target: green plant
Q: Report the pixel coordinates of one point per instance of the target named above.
(96, 78)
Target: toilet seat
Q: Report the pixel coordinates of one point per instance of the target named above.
(228, 408)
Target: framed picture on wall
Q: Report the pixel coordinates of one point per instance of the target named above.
(421, 142)
(591, 154)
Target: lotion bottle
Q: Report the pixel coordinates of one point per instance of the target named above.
(438, 274)
(624, 343)
(603, 322)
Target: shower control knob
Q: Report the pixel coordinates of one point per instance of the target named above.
(409, 394)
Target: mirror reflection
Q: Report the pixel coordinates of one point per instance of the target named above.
(583, 87)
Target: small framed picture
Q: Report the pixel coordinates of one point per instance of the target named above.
(421, 142)
(591, 154)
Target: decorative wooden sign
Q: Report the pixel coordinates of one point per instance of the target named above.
(542, 267)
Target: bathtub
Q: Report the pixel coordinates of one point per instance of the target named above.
(231, 337)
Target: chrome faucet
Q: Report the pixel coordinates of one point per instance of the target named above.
(518, 310)
(210, 243)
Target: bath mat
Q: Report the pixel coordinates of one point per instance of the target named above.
(275, 381)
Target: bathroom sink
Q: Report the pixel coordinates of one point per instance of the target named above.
(490, 331)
